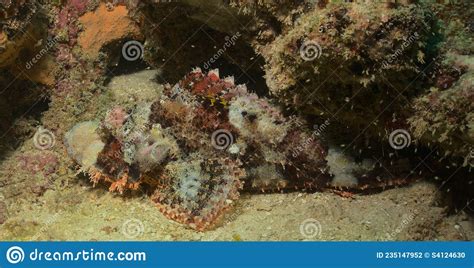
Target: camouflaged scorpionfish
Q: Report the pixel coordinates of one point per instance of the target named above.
(198, 145)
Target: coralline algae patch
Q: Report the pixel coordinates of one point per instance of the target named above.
(198, 144)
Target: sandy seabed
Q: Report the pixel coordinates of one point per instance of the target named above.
(80, 212)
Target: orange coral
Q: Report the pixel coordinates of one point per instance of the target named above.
(103, 26)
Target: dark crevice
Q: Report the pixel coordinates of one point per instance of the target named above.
(21, 107)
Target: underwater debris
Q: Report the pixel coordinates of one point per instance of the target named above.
(198, 145)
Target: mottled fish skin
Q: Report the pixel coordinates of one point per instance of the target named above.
(203, 141)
